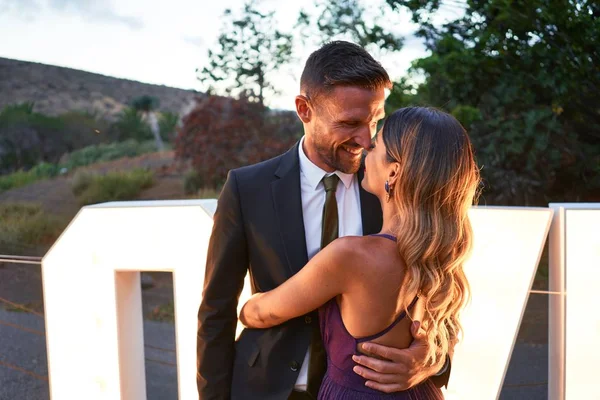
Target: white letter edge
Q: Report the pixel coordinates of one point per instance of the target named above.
(92, 295)
(508, 243)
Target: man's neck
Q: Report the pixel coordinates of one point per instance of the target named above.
(313, 156)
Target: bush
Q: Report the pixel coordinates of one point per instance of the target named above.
(192, 182)
(106, 152)
(22, 178)
(221, 134)
(130, 125)
(114, 186)
(81, 181)
(82, 129)
(23, 134)
(25, 227)
(167, 123)
(79, 158)
(44, 170)
(28, 138)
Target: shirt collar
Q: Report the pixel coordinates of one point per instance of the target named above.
(314, 174)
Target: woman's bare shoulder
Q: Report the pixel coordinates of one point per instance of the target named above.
(361, 251)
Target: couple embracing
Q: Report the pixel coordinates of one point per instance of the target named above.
(355, 261)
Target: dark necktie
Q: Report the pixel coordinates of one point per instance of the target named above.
(329, 229)
(329, 232)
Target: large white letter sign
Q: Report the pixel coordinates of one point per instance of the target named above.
(574, 329)
(92, 295)
(508, 243)
(93, 300)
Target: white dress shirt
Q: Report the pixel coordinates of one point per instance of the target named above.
(313, 199)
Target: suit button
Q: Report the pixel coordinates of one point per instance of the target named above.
(307, 319)
(294, 366)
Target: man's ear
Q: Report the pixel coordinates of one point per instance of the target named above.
(303, 109)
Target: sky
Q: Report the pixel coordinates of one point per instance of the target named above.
(152, 41)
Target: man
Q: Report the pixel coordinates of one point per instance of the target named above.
(269, 221)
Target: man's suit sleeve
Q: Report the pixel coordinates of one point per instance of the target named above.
(226, 266)
(441, 380)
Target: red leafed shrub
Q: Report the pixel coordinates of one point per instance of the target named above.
(221, 133)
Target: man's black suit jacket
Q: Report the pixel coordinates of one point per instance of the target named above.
(258, 225)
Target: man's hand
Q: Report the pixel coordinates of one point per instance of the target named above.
(405, 368)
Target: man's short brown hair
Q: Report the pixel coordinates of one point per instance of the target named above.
(341, 63)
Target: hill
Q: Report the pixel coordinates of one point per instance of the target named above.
(56, 90)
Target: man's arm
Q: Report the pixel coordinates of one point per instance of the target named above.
(226, 266)
(405, 367)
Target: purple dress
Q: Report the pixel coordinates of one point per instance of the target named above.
(340, 381)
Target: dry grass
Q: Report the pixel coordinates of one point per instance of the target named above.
(25, 226)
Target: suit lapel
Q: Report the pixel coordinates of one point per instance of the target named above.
(287, 199)
(370, 208)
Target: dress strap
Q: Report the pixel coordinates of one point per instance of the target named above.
(389, 328)
(385, 235)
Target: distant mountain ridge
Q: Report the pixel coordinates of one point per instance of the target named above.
(56, 90)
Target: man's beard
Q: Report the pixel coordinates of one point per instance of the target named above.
(338, 159)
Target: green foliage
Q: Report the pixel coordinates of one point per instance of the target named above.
(145, 103)
(192, 182)
(24, 227)
(81, 181)
(114, 186)
(523, 78)
(347, 20)
(22, 178)
(106, 152)
(249, 51)
(130, 125)
(28, 138)
(79, 158)
(167, 123)
(83, 129)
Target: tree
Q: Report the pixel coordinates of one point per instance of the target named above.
(250, 49)
(148, 105)
(130, 125)
(251, 136)
(349, 20)
(523, 78)
(28, 138)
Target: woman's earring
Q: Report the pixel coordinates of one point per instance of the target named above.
(387, 191)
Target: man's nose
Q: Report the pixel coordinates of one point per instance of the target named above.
(363, 138)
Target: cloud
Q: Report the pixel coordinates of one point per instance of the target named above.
(195, 40)
(95, 10)
(25, 9)
(91, 10)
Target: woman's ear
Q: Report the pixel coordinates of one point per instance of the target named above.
(393, 173)
(303, 109)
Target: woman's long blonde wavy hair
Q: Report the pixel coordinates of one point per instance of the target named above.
(436, 184)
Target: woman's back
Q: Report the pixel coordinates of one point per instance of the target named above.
(372, 306)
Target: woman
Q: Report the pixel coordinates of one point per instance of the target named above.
(422, 169)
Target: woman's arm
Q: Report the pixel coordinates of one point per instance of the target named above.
(324, 277)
